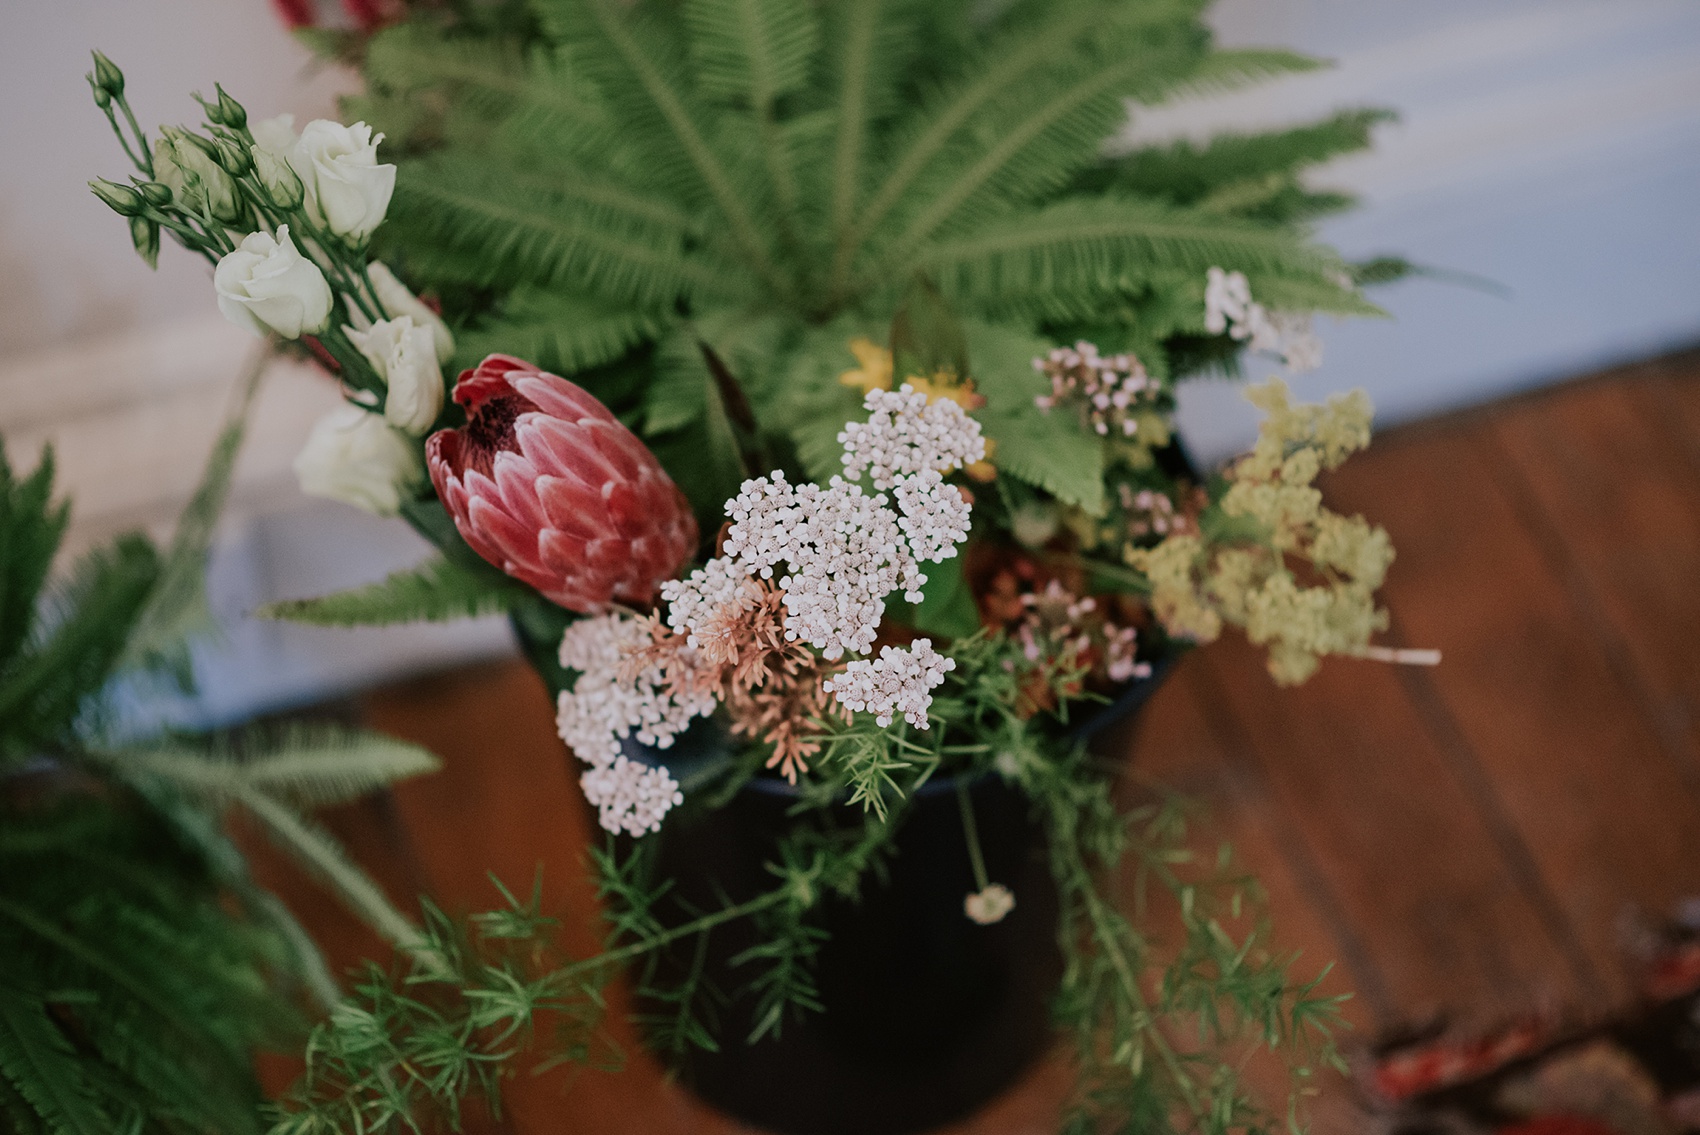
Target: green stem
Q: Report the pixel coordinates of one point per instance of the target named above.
(965, 805)
(656, 941)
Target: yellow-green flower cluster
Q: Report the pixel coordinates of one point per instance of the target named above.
(1238, 571)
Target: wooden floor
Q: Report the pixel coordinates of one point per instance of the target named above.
(1466, 841)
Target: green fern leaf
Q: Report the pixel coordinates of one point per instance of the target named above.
(1047, 450)
(31, 527)
(561, 332)
(312, 766)
(37, 1059)
(436, 591)
(751, 53)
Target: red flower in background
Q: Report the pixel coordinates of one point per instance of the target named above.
(367, 15)
(547, 485)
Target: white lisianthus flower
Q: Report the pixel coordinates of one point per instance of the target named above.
(397, 300)
(356, 457)
(402, 353)
(265, 284)
(275, 135)
(347, 190)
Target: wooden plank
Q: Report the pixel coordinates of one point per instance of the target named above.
(1526, 698)
(1615, 506)
(1449, 922)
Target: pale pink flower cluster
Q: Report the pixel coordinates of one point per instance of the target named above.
(899, 683)
(629, 796)
(1228, 306)
(1109, 389)
(1149, 511)
(845, 550)
(716, 585)
(602, 709)
(935, 516)
(906, 434)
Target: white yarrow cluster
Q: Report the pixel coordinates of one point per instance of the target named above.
(1228, 306)
(716, 585)
(905, 434)
(899, 683)
(629, 796)
(935, 515)
(846, 552)
(601, 710)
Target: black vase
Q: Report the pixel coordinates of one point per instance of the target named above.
(927, 1014)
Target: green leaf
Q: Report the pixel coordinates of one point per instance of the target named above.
(1047, 450)
(178, 606)
(38, 1061)
(436, 591)
(311, 765)
(947, 607)
(751, 52)
(563, 332)
(31, 527)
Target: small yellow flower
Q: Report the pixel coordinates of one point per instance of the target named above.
(875, 371)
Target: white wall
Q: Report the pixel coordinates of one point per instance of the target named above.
(1552, 146)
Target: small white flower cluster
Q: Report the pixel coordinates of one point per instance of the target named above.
(935, 516)
(1228, 306)
(845, 549)
(1110, 388)
(601, 710)
(905, 434)
(989, 905)
(899, 682)
(711, 588)
(629, 796)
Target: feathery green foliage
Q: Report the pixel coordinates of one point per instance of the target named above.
(621, 177)
(436, 591)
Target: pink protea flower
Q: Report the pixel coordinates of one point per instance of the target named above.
(547, 485)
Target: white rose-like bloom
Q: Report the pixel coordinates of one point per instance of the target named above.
(402, 353)
(347, 190)
(275, 135)
(265, 284)
(355, 457)
(397, 301)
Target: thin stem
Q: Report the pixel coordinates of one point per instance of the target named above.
(146, 162)
(1401, 657)
(965, 805)
(656, 941)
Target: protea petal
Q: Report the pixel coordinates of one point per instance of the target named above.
(545, 483)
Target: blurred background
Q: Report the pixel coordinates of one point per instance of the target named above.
(1550, 150)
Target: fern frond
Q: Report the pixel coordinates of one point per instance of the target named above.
(751, 53)
(436, 591)
(634, 60)
(1106, 244)
(82, 638)
(501, 230)
(31, 527)
(490, 76)
(178, 605)
(312, 766)
(561, 331)
(39, 1062)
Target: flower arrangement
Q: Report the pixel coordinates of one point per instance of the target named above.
(859, 474)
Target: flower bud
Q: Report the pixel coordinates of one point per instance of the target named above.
(232, 158)
(154, 193)
(398, 301)
(184, 163)
(279, 180)
(347, 190)
(265, 284)
(121, 199)
(353, 456)
(145, 235)
(107, 76)
(226, 111)
(102, 97)
(545, 483)
(402, 353)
